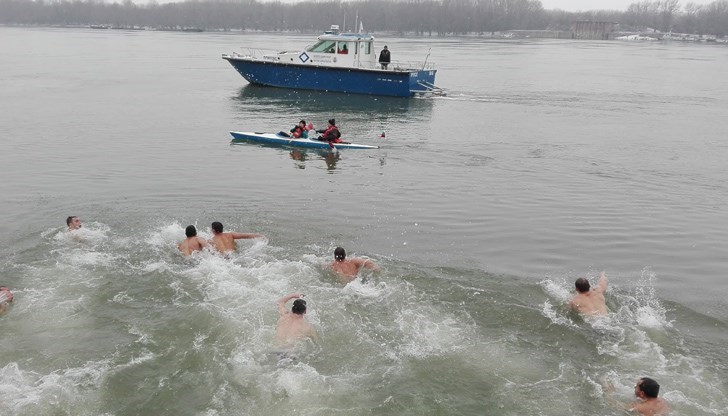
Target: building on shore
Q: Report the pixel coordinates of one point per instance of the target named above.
(589, 29)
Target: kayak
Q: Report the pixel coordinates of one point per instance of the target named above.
(278, 139)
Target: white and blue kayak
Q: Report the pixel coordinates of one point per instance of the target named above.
(278, 139)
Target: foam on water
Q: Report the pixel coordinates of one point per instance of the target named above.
(28, 392)
(213, 318)
(639, 337)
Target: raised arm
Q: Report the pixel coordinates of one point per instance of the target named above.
(370, 265)
(602, 284)
(282, 302)
(238, 236)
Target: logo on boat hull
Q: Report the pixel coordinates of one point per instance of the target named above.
(304, 57)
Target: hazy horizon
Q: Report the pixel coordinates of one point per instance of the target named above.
(583, 5)
(567, 5)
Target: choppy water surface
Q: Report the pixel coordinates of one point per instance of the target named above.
(546, 161)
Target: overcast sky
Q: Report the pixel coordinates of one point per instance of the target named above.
(568, 5)
(574, 5)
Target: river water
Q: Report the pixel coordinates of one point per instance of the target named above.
(547, 161)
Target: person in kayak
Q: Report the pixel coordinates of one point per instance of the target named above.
(331, 133)
(300, 130)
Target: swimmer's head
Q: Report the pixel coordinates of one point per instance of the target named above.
(217, 227)
(190, 231)
(339, 254)
(582, 285)
(73, 222)
(299, 307)
(648, 386)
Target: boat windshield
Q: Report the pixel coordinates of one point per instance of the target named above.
(326, 46)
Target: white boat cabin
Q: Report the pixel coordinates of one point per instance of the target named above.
(335, 49)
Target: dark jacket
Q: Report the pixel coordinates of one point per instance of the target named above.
(297, 131)
(384, 56)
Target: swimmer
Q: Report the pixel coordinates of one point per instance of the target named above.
(292, 325)
(6, 297)
(73, 223)
(192, 243)
(648, 404)
(646, 390)
(225, 242)
(588, 301)
(347, 269)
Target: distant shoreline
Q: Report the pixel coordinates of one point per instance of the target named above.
(499, 35)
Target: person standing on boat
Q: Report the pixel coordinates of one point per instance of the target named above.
(331, 133)
(300, 130)
(225, 242)
(384, 57)
(343, 50)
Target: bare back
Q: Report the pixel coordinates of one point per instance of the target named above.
(347, 269)
(224, 242)
(291, 328)
(191, 244)
(651, 407)
(592, 303)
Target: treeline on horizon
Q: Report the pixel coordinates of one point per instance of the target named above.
(422, 17)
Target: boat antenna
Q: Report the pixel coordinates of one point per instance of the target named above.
(428, 55)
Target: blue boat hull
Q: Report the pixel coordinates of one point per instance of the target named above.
(323, 78)
(279, 140)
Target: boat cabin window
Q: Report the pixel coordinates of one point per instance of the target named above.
(366, 48)
(326, 46)
(344, 48)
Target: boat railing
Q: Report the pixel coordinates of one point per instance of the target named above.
(257, 53)
(404, 66)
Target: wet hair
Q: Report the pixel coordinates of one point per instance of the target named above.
(339, 254)
(302, 121)
(190, 231)
(299, 307)
(649, 387)
(332, 122)
(69, 219)
(217, 227)
(582, 285)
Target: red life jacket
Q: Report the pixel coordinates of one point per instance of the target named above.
(332, 134)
